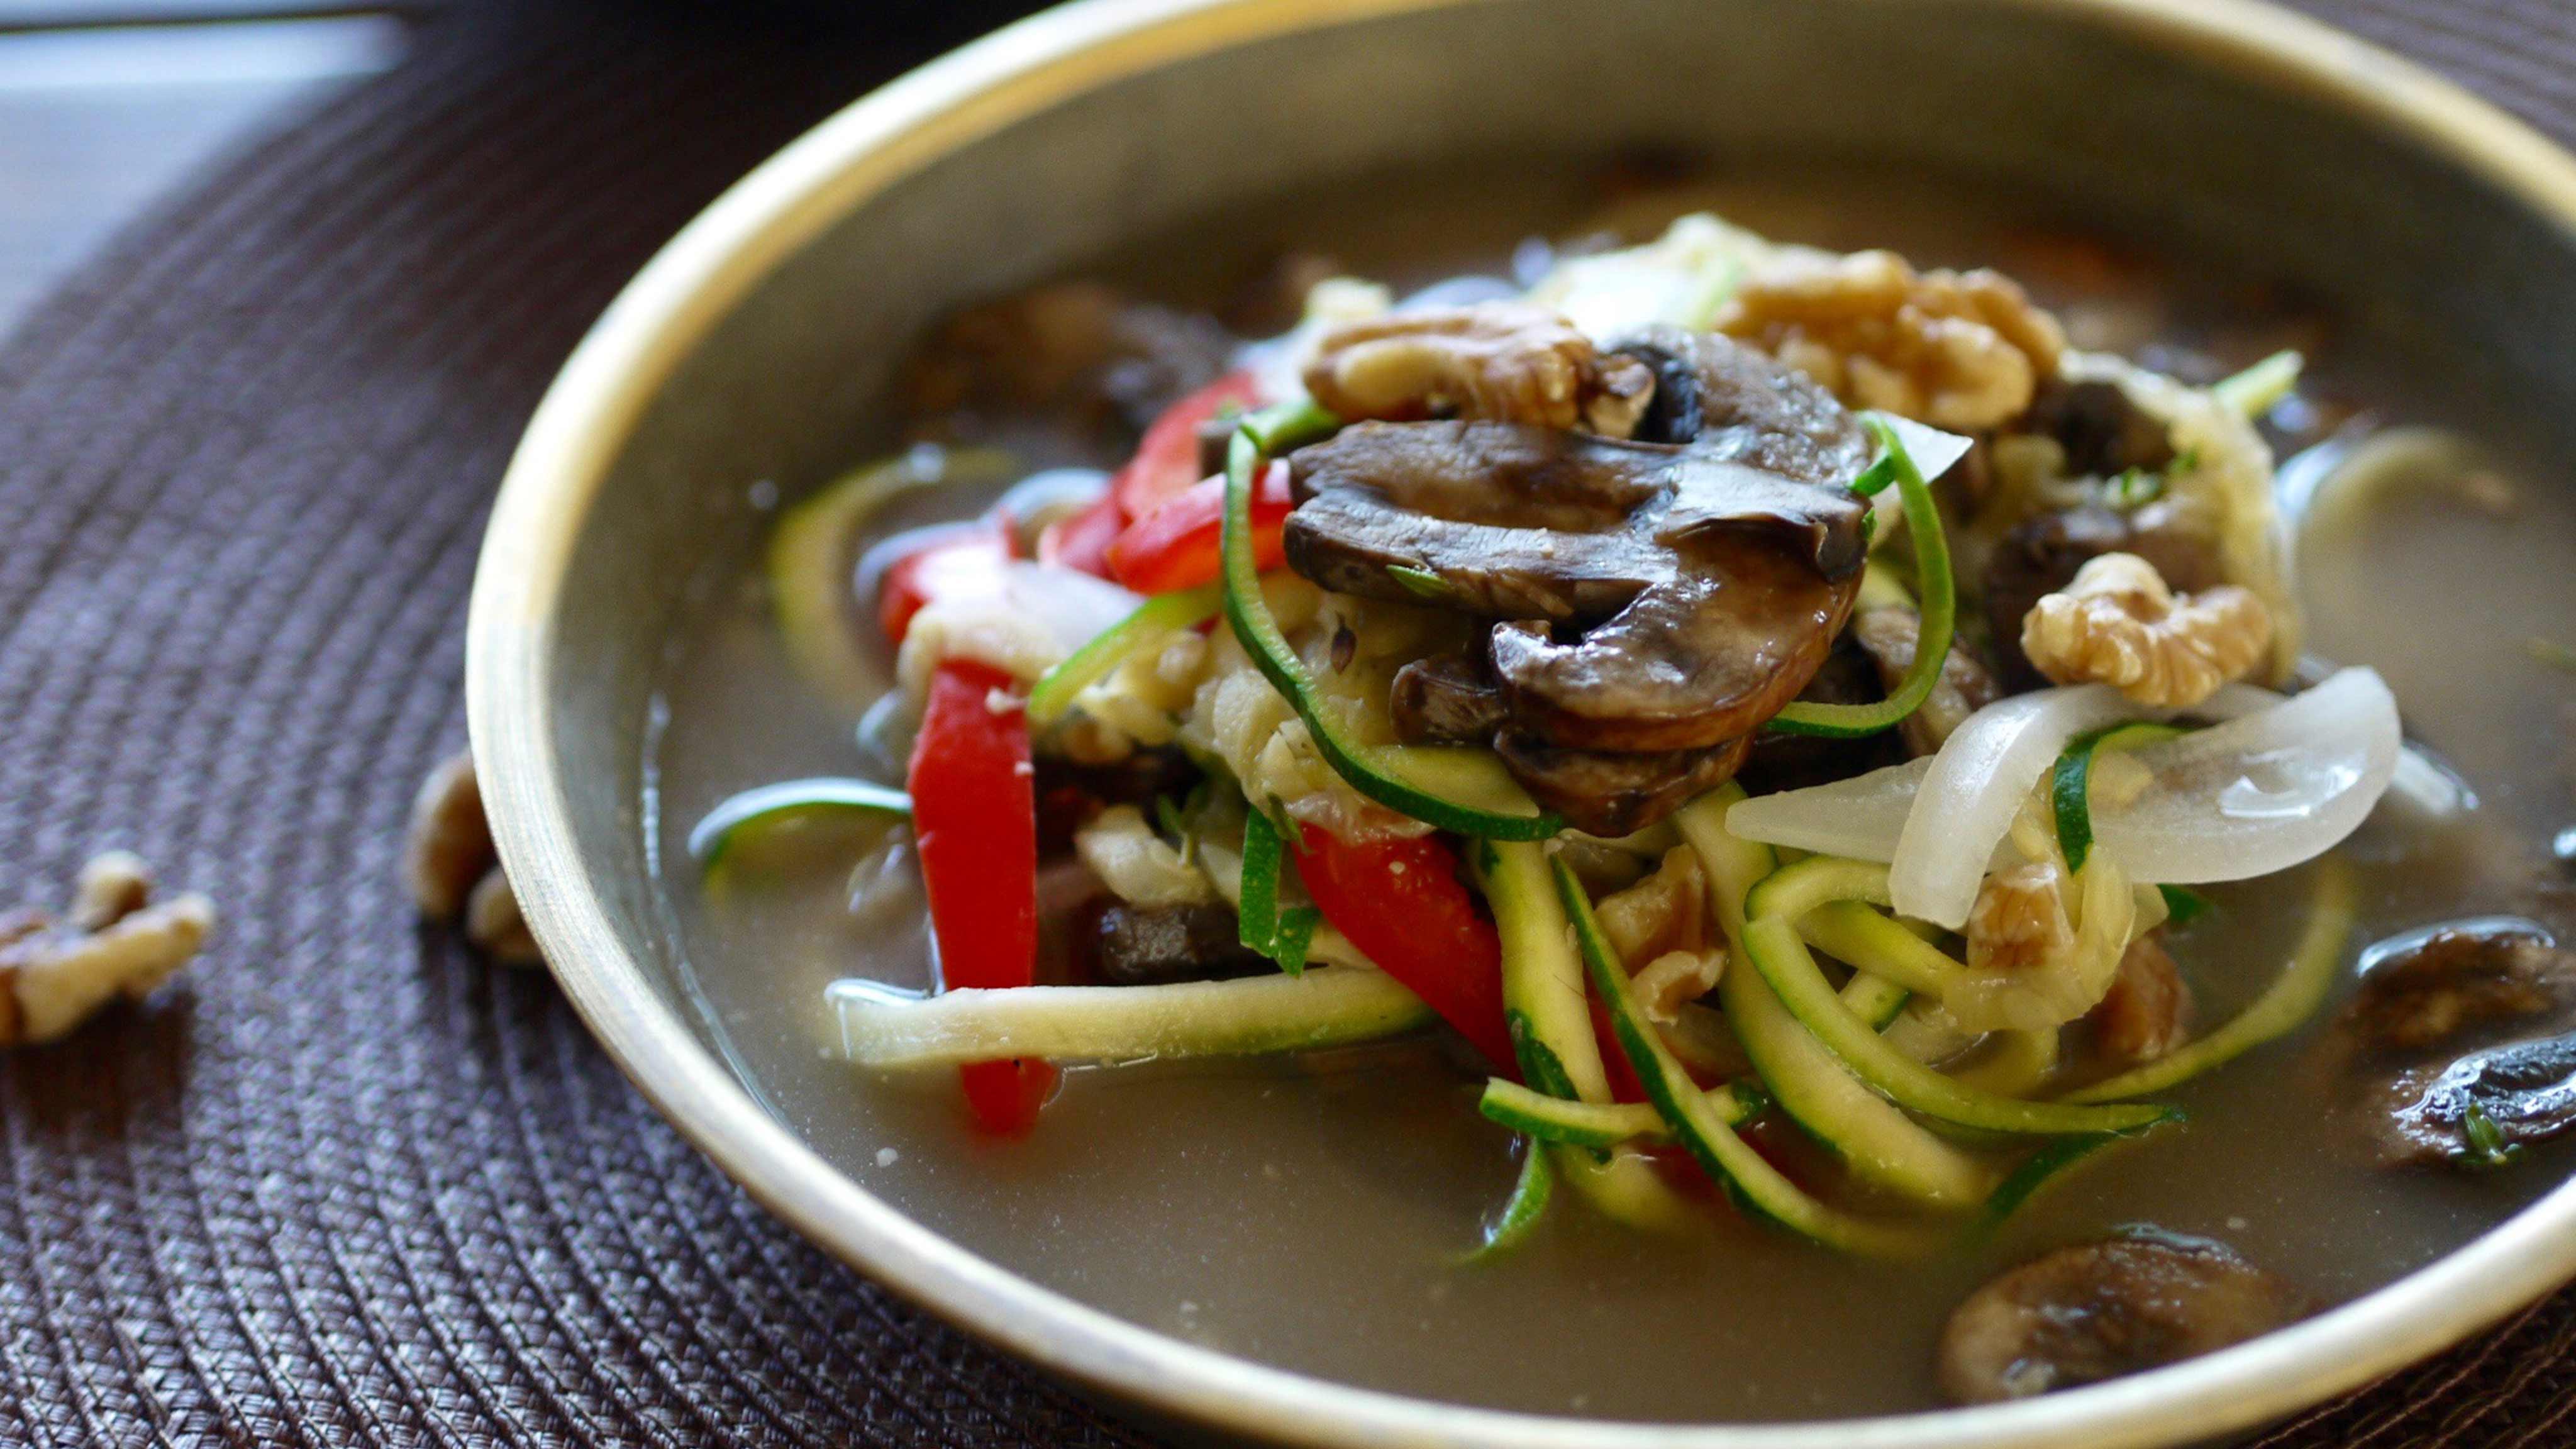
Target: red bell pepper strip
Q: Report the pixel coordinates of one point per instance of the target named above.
(1167, 460)
(1082, 541)
(948, 565)
(975, 814)
(1175, 546)
(1401, 903)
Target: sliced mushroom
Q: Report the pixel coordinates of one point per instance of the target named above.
(1654, 603)
(1514, 522)
(2428, 1081)
(1783, 761)
(1610, 792)
(2100, 1310)
(1695, 663)
(1725, 400)
(1889, 635)
(1447, 699)
(2479, 1110)
(1080, 347)
(2453, 983)
(2101, 427)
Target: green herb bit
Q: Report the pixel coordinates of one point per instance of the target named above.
(2183, 905)
(2133, 488)
(2551, 653)
(1421, 583)
(2487, 1147)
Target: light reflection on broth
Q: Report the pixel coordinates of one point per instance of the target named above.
(1307, 1212)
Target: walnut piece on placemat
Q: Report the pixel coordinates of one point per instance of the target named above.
(453, 871)
(114, 942)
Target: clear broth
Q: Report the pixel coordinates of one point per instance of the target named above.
(1307, 1213)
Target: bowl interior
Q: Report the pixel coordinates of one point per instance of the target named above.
(2140, 126)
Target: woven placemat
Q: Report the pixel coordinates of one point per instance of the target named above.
(345, 1185)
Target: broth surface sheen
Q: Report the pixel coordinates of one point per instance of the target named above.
(1308, 1213)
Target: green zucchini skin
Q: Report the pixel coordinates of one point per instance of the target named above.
(1153, 621)
(1879, 1143)
(1602, 1124)
(1520, 1217)
(1754, 1183)
(1551, 1025)
(1939, 609)
(1773, 946)
(711, 837)
(1253, 1016)
(2288, 1002)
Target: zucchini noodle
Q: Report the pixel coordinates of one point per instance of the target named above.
(2290, 1000)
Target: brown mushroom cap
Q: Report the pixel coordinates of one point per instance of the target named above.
(2099, 1310)
(1656, 599)
(1611, 792)
(1700, 661)
(2512, 1095)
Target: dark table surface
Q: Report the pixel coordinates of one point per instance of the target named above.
(344, 1184)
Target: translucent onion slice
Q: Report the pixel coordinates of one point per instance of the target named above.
(1968, 798)
(1933, 451)
(2280, 781)
(2262, 792)
(1857, 819)
(1019, 617)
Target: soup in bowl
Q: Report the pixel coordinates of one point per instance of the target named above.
(1702, 763)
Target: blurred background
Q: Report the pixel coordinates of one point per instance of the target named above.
(109, 107)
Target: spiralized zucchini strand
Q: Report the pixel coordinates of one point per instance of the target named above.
(1727, 1158)
(1155, 619)
(1521, 1214)
(2290, 1000)
(894, 1030)
(770, 804)
(1940, 606)
(1600, 1124)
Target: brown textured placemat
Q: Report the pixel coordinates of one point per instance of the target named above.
(345, 1185)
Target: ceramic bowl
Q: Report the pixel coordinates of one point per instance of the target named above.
(757, 345)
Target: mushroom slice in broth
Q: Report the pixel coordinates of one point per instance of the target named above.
(2096, 1311)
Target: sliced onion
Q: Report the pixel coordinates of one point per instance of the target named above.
(1858, 818)
(2262, 792)
(2280, 782)
(1968, 798)
(1019, 617)
(1932, 450)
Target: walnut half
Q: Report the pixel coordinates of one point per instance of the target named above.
(1960, 350)
(453, 871)
(2019, 923)
(54, 977)
(1497, 362)
(2117, 623)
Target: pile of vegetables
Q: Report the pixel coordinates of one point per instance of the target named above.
(1843, 1006)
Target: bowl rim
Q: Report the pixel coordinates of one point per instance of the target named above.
(554, 479)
